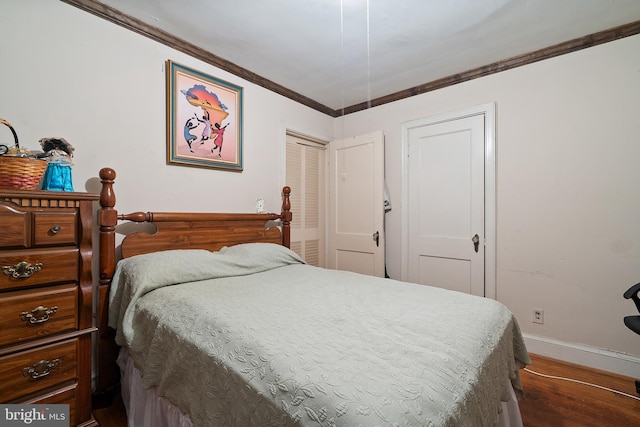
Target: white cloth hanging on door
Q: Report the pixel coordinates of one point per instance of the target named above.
(387, 200)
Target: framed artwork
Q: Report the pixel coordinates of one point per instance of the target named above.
(204, 120)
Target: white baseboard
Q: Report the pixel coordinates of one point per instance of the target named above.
(593, 357)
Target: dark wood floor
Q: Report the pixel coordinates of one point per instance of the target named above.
(558, 403)
(548, 402)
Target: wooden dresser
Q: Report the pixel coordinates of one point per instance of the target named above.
(46, 300)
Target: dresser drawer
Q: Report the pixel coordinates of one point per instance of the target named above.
(55, 228)
(30, 371)
(63, 396)
(37, 313)
(37, 267)
(16, 228)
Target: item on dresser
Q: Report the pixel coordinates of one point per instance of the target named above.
(58, 153)
(46, 294)
(230, 326)
(18, 168)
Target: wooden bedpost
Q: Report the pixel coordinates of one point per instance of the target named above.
(107, 220)
(108, 374)
(286, 217)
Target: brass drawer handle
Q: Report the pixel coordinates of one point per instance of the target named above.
(40, 369)
(55, 229)
(39, 314)
(22, 270)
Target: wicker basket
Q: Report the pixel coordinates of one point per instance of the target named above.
(21, 172)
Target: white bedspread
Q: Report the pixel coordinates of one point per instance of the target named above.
(298, 345)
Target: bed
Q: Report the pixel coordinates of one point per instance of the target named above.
(212, 320)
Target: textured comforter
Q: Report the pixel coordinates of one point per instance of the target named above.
(254, 337)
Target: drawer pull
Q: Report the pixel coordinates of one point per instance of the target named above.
(22, 270)
(55, 229)
(40, 369)
(39, 314)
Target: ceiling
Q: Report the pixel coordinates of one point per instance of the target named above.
(345, 52)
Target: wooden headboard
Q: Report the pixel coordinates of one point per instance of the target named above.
(173, 230)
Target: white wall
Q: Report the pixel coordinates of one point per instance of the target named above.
(568, 144)
(70, 74)
(568, 188)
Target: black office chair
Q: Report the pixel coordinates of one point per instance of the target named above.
(633, 322)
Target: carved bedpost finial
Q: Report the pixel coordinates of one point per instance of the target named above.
(286, 216)
(286, 203)
(107, 197)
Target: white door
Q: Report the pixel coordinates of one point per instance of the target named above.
(356, 204)
(445, 189)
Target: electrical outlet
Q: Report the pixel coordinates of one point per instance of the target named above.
(538, 316)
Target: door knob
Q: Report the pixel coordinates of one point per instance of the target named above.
(376, 237)
(476, 241)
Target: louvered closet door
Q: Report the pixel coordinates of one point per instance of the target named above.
(306, 177)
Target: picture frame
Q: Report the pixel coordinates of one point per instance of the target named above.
(204, 120)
